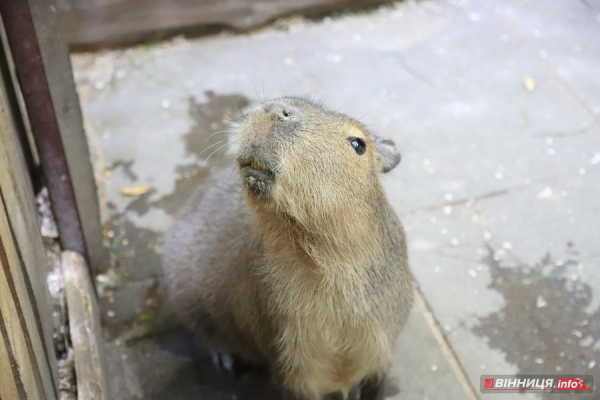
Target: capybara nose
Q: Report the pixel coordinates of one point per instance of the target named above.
(283, 112)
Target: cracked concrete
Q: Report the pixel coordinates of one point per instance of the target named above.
(497, 188)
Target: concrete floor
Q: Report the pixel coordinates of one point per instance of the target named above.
(498, 188)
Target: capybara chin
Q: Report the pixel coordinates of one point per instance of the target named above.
(297, 261)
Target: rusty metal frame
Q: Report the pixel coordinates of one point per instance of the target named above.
(51, 107)
(26, 52)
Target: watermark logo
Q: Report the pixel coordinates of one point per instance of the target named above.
(546, 383)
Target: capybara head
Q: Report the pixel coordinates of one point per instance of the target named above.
(298, 158)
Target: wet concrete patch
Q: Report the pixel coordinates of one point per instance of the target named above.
(135, 310)
(545, 326)
(136, 249)
(125, 167)
(190, 179)
(206, 142)
(132, 295)
(211, 120)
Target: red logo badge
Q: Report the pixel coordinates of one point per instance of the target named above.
(571, 384)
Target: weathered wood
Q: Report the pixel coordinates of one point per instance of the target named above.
(25, 306)
(8, 380)
(85, 328)
(18, 327)
(16, 187)
(100, 23)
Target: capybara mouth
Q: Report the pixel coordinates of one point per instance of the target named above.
(257, 178)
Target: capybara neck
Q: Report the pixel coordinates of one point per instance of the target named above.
(325, 242)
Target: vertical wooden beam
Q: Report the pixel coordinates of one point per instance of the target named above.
(45, 77)
(11, 385)
(22, 339)
(24, 299)
(18, 197)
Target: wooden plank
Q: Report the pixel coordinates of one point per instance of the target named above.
(9, 375)
(99, 23)
(18, 321)
(85, 328)
(25, 266)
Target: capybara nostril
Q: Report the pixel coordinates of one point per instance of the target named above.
(282, 112)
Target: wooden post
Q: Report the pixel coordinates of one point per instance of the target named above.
(25, 319)
(25, 328)
(28, 371)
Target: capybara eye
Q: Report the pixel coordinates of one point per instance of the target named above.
(358, 144)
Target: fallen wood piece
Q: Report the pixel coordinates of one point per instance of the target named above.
(85, 327)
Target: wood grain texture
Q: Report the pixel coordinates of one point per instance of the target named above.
(85, 328)
(20, 334)
(11, 385)
(24, 297)
(99, 23)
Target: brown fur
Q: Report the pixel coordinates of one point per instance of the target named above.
(300, 262)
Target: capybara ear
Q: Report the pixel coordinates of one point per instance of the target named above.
(387, 155)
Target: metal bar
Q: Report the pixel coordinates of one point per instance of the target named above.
(31, 74)
(59, 75)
